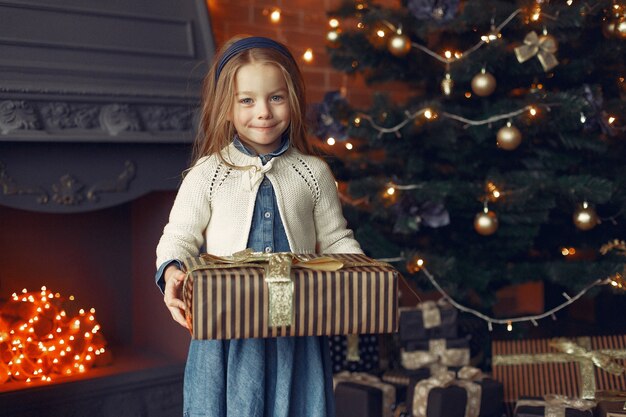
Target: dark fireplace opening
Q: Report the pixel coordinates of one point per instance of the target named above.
(105, 259)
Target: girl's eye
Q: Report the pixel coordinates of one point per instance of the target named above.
(277, 98)
(246, 101)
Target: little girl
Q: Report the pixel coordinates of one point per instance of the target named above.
(253, 184)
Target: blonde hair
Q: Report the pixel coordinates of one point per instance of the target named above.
(218, 96)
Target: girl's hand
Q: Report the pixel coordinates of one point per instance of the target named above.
(174, 278)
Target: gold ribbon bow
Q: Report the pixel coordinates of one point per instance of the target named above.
(443, 380)
(543, 47)
(431, 315)
(388, 390)
(572, 352)
(555, 405)
(579, 353)
(470, 373)
(438, 358)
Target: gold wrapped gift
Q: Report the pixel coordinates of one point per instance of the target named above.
(251, 294)
(574, 368)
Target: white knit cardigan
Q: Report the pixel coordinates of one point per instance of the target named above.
(215, 204)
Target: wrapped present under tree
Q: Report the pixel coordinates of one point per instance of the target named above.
(428, 320)
(571, 367)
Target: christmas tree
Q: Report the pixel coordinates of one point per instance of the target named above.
(507, 162)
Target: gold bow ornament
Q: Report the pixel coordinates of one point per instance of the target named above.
(388, 390)
(446, 379)
(438, 358)
(555, 405)
(544, 47)
(573, 351)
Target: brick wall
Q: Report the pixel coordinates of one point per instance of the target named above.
(304, 24)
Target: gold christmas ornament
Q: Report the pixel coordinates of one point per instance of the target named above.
(543, 47)
(483, 83)
(447, 84)
(608, 28)
(486, 222)
(399, 44)
(509, 137)
(620, 28)
(585, 217)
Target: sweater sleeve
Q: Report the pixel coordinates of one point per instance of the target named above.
(183, 235)
(331, 230)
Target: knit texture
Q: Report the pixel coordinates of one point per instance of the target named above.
(215, 204)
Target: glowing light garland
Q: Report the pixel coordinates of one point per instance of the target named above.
(616, 281)
(39, 340)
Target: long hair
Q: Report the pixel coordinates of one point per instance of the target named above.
(218, 97)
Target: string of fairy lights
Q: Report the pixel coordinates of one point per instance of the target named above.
(41, 338)
(616, 281)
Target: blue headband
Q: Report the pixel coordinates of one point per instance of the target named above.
(249, 43)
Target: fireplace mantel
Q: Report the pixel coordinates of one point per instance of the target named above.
(97, 99)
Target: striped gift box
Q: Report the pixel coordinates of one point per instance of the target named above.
(233, 303)
(533, 368)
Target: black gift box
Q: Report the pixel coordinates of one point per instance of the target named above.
(539, 411)
(357, 400)
(611, 408)
(442, 402)
(491, 399)
(411, 325)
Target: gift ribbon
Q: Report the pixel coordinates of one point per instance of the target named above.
(555, 405)
(438, 358)
(443, 380)
(277, 275)
(431, 315)
(388, 390)
(574, 352)
(544, 48)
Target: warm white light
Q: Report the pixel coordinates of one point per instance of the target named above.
(447, 54)
(509, 326)
(331, 141)
(583, 119)
(308, 55)
(333, 23)
(611, 120)
(349, 146)
(532, 111)
(428, 114)
(275, 15)
(391, 190)
(380, 33)
(332, 36)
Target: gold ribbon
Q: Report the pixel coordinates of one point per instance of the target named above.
(578, 352)
(352, 352)
(443, 380)
(438, 358)
(388, 390)
(555, 405)
(431, 315)
(543, 47)
(278, 275)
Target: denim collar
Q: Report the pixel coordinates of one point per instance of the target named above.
(265, 158)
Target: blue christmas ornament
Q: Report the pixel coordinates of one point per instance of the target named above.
(323, 117)
(439, 10)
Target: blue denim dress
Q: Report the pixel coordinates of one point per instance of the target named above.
(274, 377)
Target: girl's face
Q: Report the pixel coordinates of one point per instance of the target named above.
(261, 112)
